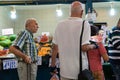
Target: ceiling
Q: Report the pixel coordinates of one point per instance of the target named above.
(39, 2)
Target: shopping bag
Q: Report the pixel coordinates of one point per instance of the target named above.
(85, 75)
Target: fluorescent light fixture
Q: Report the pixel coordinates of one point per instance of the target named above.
(59, 11)
(13, 13)
(112, 11)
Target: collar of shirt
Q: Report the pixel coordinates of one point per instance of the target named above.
(75, 18)
(30, 32)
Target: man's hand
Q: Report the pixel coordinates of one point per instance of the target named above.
(53, 70)
(27, 59)
(95, 44)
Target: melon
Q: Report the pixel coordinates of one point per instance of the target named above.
(6, 43)
(12, 37)
(2, 38)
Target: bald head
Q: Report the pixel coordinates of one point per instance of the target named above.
(31, 25)
(76, 9)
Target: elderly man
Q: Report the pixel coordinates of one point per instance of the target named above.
(25, 50)
(66, 41)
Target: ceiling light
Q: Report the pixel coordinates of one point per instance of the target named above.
(112, 10)
(59, 11)
(13, 13)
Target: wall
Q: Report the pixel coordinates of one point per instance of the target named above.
(46, 17)
(104, 16)
(5, 21)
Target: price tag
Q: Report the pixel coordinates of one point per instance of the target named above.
(39, 61)
(10, 64)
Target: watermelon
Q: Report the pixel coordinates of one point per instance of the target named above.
(2, 38)
(44, 39)
(12, 37)
(6, 43)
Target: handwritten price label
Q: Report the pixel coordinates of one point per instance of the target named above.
(10, 64)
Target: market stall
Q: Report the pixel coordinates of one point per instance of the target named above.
(8, 67)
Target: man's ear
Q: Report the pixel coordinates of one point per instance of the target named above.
(81, 13)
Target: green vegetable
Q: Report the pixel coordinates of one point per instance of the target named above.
(2, 38)
(6, 43)
(12, 37)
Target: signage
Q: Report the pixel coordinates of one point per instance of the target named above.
(10, 64)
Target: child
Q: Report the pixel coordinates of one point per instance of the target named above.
(95, 55)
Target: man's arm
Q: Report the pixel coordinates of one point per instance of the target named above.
(17, 52)
(87, 47)
(54, 55)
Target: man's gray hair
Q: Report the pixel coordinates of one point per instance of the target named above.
(28, 21)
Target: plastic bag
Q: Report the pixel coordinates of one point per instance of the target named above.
(55, 77)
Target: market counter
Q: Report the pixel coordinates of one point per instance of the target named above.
(9, 72)
(8, 69)
(8, 62)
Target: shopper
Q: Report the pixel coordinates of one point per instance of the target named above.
(66, 39)
(114, 49)
(95, 55)
(26, 51)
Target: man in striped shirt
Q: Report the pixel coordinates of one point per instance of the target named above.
(114, 49)
(25, 49)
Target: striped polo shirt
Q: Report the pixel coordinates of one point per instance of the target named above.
(114, 45)
(26, 44)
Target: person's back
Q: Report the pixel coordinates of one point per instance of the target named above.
(68, 35)
(67, 40)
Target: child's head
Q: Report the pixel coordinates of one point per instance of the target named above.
(101, 32)
(94, 30)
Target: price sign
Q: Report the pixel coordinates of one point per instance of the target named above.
(10, 64)
(39, 62)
